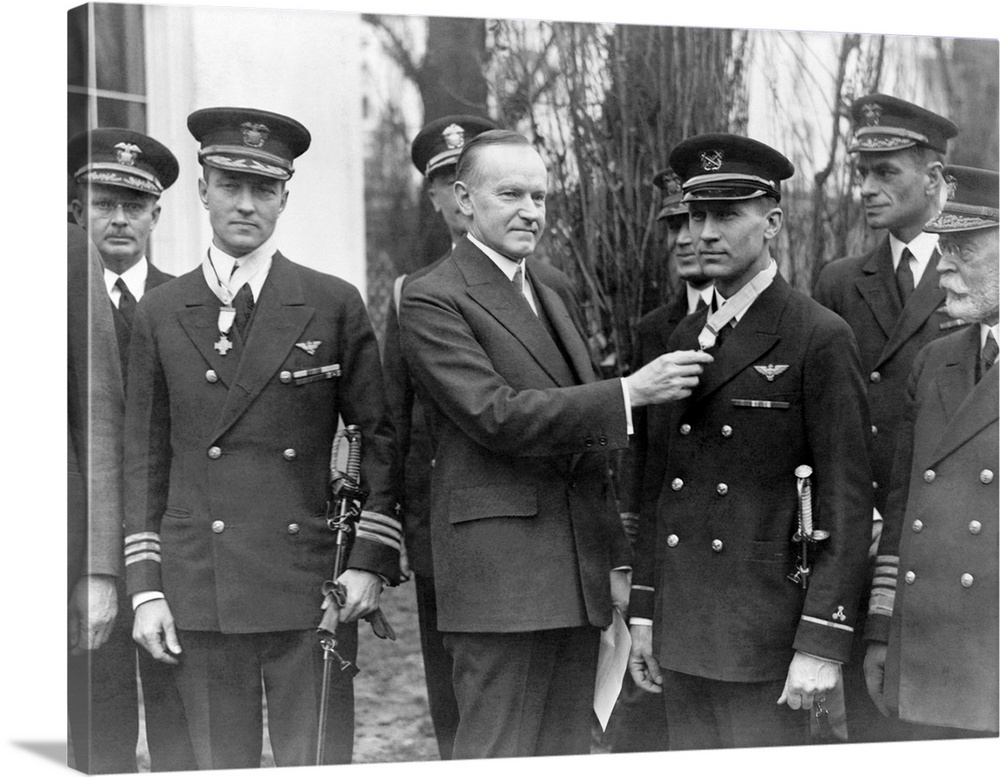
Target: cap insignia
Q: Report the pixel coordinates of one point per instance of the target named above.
(872, 113)
(454, 136)
(952, 183)
(127, 152)
(711, 160)
(254, 135)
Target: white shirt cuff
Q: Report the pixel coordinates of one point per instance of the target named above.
(145, 596)
(640, 621)
(628, 408)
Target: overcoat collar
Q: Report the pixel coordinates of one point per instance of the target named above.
(280, 316)
(968, 406)
(489, 287)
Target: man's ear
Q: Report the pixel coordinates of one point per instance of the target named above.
(156, 216)
(284, 200)
(463, 196)
(934, 188)
(432, 196)
(203, 192)
(775, 218)
(79, 214)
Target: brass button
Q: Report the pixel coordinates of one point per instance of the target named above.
(677, 484)
(214, 452)
(672, 541)
(293, 528)
(727, 431)
(874, 430)
(212, 376)
(218, 526)
(975, 527)
(589, 442)
(910, 577)
(717, 546)
(967, 580)
(986, 476)
(602, 440)
(874, 484)
(285, 376)
(289, 454)
(722, 489)
(685, 429)
(875, 377)
(929, 475)
(918, 526)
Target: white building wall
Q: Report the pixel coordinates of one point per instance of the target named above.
(304, 64)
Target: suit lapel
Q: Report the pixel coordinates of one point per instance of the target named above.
(921, 305)
(279, 319)
(753, 336)
(878, 288)
(566, 330)
(493, 291)
(968, 406)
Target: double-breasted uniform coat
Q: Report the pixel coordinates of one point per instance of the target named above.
(934, 595)
(720, 502)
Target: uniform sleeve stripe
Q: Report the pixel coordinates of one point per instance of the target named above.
(379, 538)
(643, 588)
(133, 558)
(884, 582)
(142, 536)
(892, 561)
(831, 624)
(134, 547)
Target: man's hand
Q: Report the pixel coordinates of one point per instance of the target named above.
(405, 573)
(643, 667)
(630, 524)
(362, 589)
(875, 674)
(93, 606)
(154, 630)
(621, 587)
(808, 678)
(667, 378)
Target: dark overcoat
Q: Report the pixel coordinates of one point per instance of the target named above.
(523, 524)
(720, 501)
(228, 456)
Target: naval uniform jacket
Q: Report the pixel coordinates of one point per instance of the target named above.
(862, 290)
(228, 457)
(720, 504)
(524, 529)
(940, 540)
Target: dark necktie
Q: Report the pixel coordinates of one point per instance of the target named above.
(904, 276)
(126, 302)
(701, 304)
(988, 357)
(518, 281)
(243, 303)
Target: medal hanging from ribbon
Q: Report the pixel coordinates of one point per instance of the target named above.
(227, 314)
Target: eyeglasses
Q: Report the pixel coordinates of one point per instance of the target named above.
(957, 250)
(131, 208)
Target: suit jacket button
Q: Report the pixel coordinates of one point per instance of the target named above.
(289, 454)
(929, 475)
(214, 452)
(910, 577)
(875, 377)
(293, 528)
(975, 527)
(672, 541)
(677, 484)
(589, 442)
(727, 431)
(967, 580)
(986, 476)
(212, 376)
(874, 430)
(685, 429)
(603, 440)
(218, 526)
(918, 526)
(285, 376)
(875, 484)
(717, 546)
(722, 489)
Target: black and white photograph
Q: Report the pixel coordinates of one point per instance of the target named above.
(610, 388)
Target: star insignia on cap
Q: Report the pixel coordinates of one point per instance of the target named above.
(254, 135)
(771, 371)
(951, 182)
(127, 152)
(454, 136)
(711, 160)
(873, 114)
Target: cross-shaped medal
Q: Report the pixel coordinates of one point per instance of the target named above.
(223, 345)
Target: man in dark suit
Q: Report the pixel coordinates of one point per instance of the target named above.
(434, 152)
(529, 552)
(717, 625)
(638, 723)
(890, 298)
(119, 176)
(932, 657)
(103, 708)
(239, 372)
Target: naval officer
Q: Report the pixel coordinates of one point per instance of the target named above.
(239, 371)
